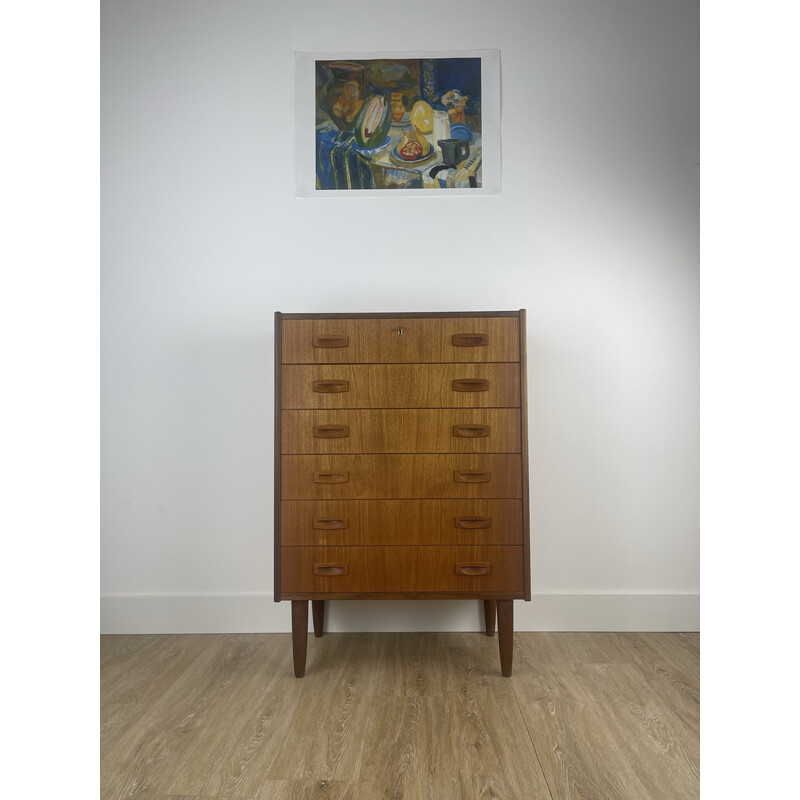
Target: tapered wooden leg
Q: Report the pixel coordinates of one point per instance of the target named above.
(505, 635)
(318, 615)
(299, 636)
(490, 614)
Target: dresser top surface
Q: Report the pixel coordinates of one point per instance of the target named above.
(401, 314)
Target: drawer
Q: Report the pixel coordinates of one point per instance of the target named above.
(400, 386)
(431, 340)
(441, 569)
(393, 522)
(486, 430)
(374, 476)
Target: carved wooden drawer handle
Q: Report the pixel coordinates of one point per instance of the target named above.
(331, 431)
(470, 339)
(460, 476)
(331, 387)
(470, 431)
(474, 568)
(330, 570)
(471, 385)
(321, 524)
(331, 477)
(472, 523)
(331, 341)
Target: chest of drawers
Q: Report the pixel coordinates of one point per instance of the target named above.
(401, 464)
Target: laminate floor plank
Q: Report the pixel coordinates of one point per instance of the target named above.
(675, 693)
(600, 728)
(252, 711)
(671, 666)
(400, 717)
(139, 669)
(112, 646)
(115, 719)
(578, 753)
(137, 674)
(323, 737)
(421, 663)
(669, 650)
(660, 748)
(418, 709)
(550, 648)
(321, 790)
(177, 745)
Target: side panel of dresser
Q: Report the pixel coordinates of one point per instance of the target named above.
(523, 408)
(278, 449)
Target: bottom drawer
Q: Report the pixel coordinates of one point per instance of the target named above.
(377, 569)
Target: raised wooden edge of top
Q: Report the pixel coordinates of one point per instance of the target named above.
(403, 596)
(403, 315)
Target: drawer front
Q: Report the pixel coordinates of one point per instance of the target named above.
(401, 569)
(488, 430)
(400, 386)
(401, 522)
(373, 476)
(415, 340)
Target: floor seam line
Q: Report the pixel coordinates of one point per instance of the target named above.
(530, 739)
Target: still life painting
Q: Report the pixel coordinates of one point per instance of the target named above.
(399, 124)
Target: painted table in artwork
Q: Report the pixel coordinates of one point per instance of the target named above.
(389, 171)
(342, 164)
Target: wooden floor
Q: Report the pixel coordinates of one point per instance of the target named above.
(427, 716)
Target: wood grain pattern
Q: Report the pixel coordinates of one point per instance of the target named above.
(319, 522)
(402, 431)
(409, 716)
(376, 340)
(399, 386)
(400, 476)
(401, 569)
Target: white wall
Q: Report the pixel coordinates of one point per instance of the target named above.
(595, 233)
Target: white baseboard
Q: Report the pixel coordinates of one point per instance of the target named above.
(257, 613)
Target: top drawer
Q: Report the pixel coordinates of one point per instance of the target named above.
(399, 340)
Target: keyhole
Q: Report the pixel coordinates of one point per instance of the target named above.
(400, 331)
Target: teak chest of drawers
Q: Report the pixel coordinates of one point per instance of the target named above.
(401, 463)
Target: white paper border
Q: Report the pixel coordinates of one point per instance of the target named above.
(305, 122)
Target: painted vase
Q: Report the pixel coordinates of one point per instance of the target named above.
(457, 115)
(398, 108)
(344, 94)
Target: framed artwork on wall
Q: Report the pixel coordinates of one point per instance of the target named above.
(398, 123)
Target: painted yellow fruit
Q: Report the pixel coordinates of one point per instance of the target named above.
(422, 116)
